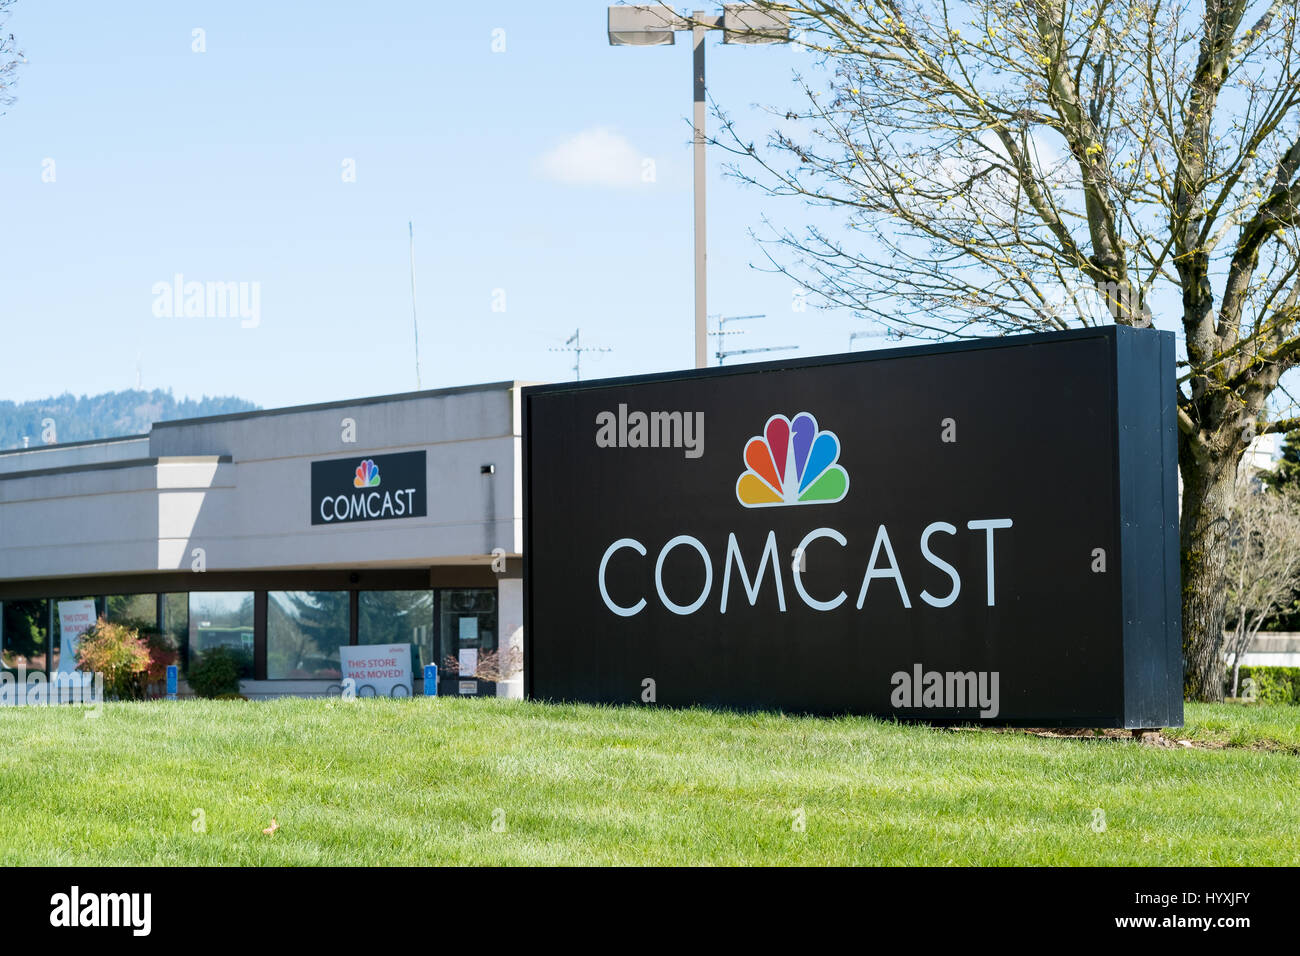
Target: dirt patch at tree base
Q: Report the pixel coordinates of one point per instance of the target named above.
(1149, 738)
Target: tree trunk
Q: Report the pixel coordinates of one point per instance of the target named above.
(1203, 532)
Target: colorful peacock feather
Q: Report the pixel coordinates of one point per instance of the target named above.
(367, 475)
(792, 463)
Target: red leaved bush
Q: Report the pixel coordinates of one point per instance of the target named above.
(117, 652)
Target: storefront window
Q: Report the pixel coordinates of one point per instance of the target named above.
(25, 634)
(222, 619)
(304, 630)
(176, 624)
(467, 623)
(398, 617)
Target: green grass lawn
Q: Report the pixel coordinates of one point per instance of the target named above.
(1275, 728)
(424, 781)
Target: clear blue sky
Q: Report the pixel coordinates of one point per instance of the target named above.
(227, 165)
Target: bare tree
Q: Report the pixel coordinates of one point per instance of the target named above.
(10, 57)
(1014, 165)
(1263, 565)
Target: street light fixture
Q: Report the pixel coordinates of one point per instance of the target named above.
(657, 25)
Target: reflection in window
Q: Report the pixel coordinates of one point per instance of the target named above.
(304, 630)
(24, 632)
(176, 624)
(468, 622)
(139, 611)
(222, 619)
(398, 617)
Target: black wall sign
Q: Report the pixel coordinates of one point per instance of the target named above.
(976, 532)
(372, 488)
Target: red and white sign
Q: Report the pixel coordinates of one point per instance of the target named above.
(377, 669)
(75, 619)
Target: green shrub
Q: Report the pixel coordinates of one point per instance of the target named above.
(117, 652)
(1274, 685)
(215, 673)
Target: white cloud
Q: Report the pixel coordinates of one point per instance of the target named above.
(597, 157)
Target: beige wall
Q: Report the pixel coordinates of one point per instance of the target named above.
(239, 488)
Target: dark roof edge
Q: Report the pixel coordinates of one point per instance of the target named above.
(974, 343)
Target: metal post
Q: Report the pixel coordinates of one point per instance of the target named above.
(415, 322)
(698, 32)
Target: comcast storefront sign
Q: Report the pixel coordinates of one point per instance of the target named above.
(368, 489)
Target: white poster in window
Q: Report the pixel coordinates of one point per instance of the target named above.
(468, 661)
(75, 619)
(469, 630)
(377, 669)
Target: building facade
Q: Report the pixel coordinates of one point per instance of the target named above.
(283, 535)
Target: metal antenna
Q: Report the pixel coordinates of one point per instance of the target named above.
(723, 331)
(410, 227)
(574, 344)
(854, 336)
(723, 354)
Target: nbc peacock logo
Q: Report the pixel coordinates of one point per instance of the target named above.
(367, 475)
(792, 463)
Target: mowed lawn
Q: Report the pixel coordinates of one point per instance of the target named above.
(501, 782)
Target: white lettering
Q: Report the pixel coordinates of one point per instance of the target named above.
(989, 524)
(769, 553)
(659, 577)
(941, 564)
(618, 609)
(798, 572)
(882, 539)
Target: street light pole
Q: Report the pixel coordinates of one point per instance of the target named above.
(698, 32)
(655, 25)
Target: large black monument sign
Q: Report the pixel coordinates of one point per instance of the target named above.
(984, 531)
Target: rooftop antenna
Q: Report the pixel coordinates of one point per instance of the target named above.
(723, 354)
(415, 324)
(574, 344)
(854, 336)
(723, 331)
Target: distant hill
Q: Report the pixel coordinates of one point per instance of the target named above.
(78, 418)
